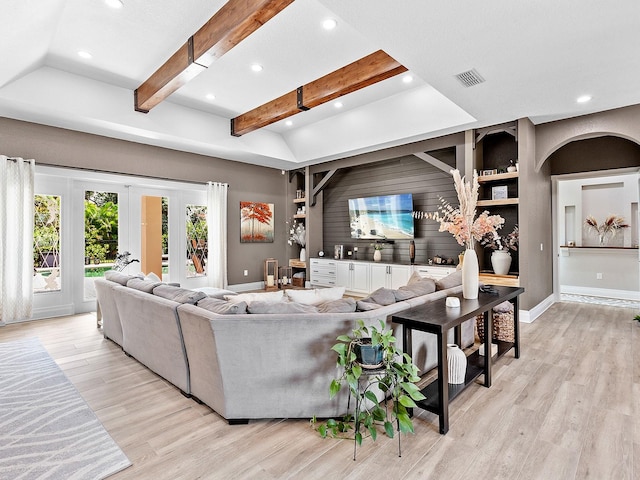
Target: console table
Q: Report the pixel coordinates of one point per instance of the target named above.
(438, 319)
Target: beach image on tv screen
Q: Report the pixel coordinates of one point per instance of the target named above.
(382, 217)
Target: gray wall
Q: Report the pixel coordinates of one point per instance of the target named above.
(66, 148)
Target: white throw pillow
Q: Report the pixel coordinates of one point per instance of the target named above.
(214, 292)
(316, 296)
(152, 277)
(256, 296)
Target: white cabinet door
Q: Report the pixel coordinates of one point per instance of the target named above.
(343, 275)
(398, 275)
(378, 276)
(360, 277)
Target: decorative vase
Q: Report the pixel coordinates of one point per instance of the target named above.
(377, 256)
(457, 364)
(412, 252)
(303, 254)
(501, 261)
(470, 272)
(367, 355)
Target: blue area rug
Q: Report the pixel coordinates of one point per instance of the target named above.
(47, 430)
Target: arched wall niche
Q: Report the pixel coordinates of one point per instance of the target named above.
(591, 154)
(621, 123)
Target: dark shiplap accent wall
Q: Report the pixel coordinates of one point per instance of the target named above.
(407, 174)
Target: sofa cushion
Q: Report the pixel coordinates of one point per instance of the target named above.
(381, 296)
(342, 305)
(143, 285)
(315, 296)
(259, 306)
(118, 277)
(177, 294)
(152, 277)
(214, 292)
(256, 296)
(222, 307)
(415, 278)
(424, 286)
(452, 280)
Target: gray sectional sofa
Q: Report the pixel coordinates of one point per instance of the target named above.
(252, 365)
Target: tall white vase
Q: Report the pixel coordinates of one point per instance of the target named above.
(470, 272)
(501, 261)
(377, 256)
(456, 363)
(303, 254)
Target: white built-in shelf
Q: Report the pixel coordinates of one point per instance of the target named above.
(300, 215)
(299, 200)
(493, 203)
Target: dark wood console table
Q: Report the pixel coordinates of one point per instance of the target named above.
(438, 319)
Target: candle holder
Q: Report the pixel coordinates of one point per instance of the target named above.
(270, 274)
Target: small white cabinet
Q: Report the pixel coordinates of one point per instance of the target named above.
(323, 272)
(389, 275)
(354, 276)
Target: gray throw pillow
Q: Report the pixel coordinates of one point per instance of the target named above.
(381, 296)
(177, 294)
(280, 307)
(342, 305)
(452, 280)
(424, 286)
(362, 306)
(222, 307)
(143, 285)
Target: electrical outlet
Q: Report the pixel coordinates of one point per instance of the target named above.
(598, 276)
(246, 273)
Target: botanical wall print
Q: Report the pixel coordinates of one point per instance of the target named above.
(256, 222)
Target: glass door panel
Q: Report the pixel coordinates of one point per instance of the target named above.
(197, 234)
(46, 244)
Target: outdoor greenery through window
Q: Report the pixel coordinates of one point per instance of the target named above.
(46, 243)
(100, 236)
(196, 222)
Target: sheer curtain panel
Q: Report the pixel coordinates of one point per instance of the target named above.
(217, 234)
(16, 238)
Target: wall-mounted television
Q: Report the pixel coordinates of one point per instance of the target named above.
(385, 217)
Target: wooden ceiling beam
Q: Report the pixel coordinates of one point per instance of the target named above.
(366, 71)
(235, 21)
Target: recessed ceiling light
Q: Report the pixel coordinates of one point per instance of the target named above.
(256, 67)
(210, 96)
(114, 3)
(329, 24)
(407, 79)
(84, 54)
(338, 104)
(288, 123)
(583, 99)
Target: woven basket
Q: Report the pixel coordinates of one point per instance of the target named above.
(502, 327)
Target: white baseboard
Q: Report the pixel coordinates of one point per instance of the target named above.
(528, 316)
(600, 292)
(48, 312)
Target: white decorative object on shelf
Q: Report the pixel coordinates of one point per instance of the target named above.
(303, 254)
(470, 272)
(457, 364)
(377, 256)
(501, 261)
(453, 302)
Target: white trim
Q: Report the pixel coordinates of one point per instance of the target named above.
(245, 287)
(55, 311)
(600, 292)
(528, 316)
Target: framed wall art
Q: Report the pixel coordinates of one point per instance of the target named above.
(256, 222)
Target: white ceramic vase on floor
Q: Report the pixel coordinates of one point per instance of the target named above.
(457, 364)
(501, 261)
(470, 272)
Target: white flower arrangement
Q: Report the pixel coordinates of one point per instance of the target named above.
(297, 234)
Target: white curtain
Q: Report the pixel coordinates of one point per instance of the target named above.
(16, 238)
(217, 239)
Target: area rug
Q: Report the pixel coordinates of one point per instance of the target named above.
(47, 430)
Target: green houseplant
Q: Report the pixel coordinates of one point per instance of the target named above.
(394, 376)
(637, 318)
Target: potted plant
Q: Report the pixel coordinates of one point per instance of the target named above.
(394, 376)
(637, 318)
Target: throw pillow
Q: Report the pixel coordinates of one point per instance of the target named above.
(315, 296)
(452, 280)
(342, 305)
(257, 296)
(118, 277)
(414, 278)
(423, 287)
(152, 277)
(381, 296)
(222, 307)
(362, 306)
(280, 307)
(177, 294)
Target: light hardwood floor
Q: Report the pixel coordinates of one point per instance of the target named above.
(569, 408)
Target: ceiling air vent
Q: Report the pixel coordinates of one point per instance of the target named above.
(470, 78)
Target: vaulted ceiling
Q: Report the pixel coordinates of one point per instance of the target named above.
(536, 59)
